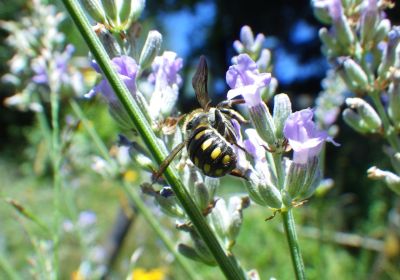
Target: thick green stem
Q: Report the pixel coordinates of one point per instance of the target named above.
(229, 267)
(291, 235)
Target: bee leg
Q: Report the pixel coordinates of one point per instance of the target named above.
(167, 161)
(237, 173)
(230, 103)
(240, 147)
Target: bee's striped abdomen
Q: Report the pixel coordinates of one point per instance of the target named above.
(210, 152)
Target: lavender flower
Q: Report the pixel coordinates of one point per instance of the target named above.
(167, 81)
(303, 136)
(166, 68)
(127, 68)
(244, 79)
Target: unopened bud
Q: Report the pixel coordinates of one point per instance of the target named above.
(282, 110)
(130, 11)
(264, 61)
(321, 11)
(355, 73)
(390, 57)
(168, 203)
(246, 37)
(263, 123)
(95, 10)
(302, 179)
(257, 45)
(110, 44)
(394, 158)
(328, 41)
(391, 179)
(111, 10)
(354, 121)
(201, 195)
(394, 103)
(369, 21)
(150, 49)
(192, 254)
(366, 112)
(344, 33)
(382, 30)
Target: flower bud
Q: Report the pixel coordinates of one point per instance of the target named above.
(192, 254)
(329, 42)
(110, 44)
(268, 92)
(201, 195)
(367, 113)
(263, 123)
(355, 73)
(211, 184)
(168, 203)
(111, 9)
(95, 10)
(354, 121)
(150, 49)
(270, 194)
(130, 11)
(391, 53)
(236, 206)
(262, 192)
(344, 33)
(382, 30)
(394, 158)
(295, 179)
(282, 110)
(369, 21)
(313, 179)
(302, 179)
(255, 49)
(264, 61)
(323, 187)
(238, 46)
(391, 179)
(246, 37)
(394, 103)
(321, 11)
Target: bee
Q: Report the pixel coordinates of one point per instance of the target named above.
(210, 133)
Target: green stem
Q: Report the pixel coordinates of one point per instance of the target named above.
(288, 223)
(389, 131)
(56, 165)
(277, 157)
(154, 224)
(132, 194)
(229, 267)
(291, 235)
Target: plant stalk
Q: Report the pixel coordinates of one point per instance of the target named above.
(228, 266)
(288, 223)
(291, 235)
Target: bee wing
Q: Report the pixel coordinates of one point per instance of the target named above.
(199, 83)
